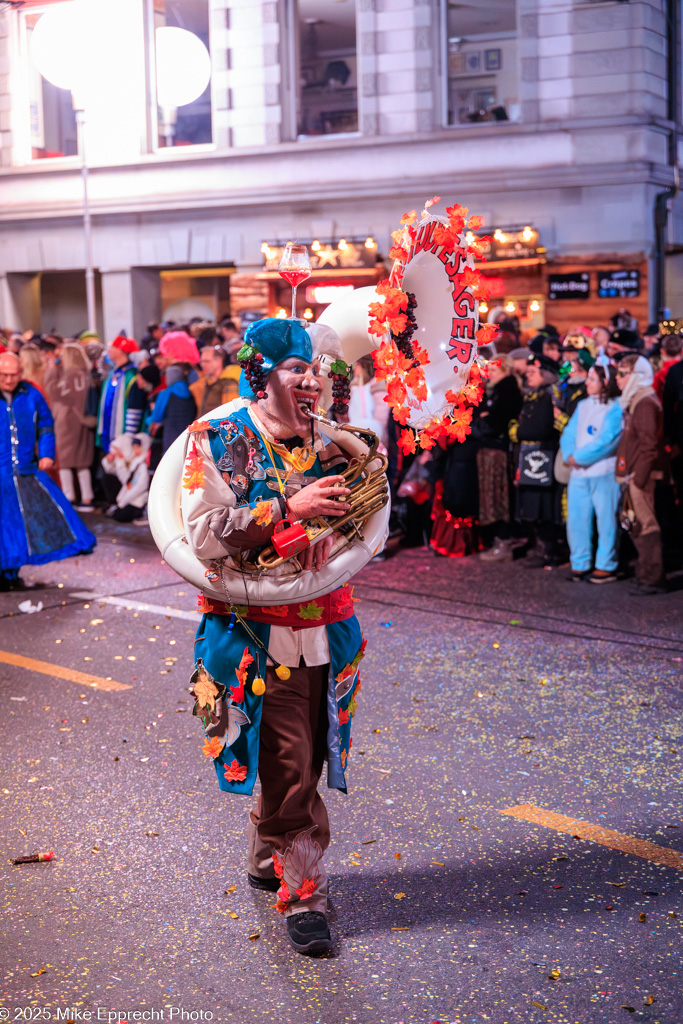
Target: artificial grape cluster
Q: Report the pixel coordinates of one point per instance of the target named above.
(251, 362)
(403, 340)
(340, 375)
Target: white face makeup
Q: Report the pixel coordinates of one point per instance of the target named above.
(293, 390)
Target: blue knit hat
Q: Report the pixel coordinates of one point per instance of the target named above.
(276, 339)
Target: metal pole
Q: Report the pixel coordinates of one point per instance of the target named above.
(87, 227)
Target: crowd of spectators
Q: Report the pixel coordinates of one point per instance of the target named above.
(575, 455)
(575, 458)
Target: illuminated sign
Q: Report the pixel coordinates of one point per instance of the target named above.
(341, 255)
(509, 244)
(322, 294)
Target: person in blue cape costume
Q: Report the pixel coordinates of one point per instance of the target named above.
(275, 687)
(38, 523)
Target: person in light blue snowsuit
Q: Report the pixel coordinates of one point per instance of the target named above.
(589, 444)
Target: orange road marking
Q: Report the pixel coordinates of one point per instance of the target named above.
(96, 682)
(597, 834)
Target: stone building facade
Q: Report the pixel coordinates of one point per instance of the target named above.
(585, 145)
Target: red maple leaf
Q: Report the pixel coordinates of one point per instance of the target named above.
(407, 442)
(487, 333)
(459, 427)
(475, 222)
(283, 892)
(343, 717)
(277, 866)
(402, 414)
(397, 252)
(451, 396)
(236, 772)
(444, 235)
(237, 692)
(307, 889)
(427, 441)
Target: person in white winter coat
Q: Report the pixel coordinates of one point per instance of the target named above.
(128, 460)
(589, 444)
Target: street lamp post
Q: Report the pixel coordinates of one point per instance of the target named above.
(55, 43)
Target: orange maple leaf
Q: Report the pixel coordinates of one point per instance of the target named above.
(426, 441)
(194, 428)
(194, 470)
(277, 866)
(459, 427)
(402, 414)
(408, 218)
(263, 513)
(397, 324)
(487, 333)
(475, 222)
(212, 747)
(451, 395)
(397, 252)
(472, 393)
(407, 442)
(237, 692)
(307, 889)
(444, 235)
(421, 354)
(236, 772)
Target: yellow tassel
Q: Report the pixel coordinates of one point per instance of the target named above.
(258, 686)
(282, 672)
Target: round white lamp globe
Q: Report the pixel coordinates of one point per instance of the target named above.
(183, 67)
(55, 41)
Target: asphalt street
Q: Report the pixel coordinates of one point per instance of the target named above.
(486, 689)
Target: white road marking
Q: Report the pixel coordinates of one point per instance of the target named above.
(138, 606)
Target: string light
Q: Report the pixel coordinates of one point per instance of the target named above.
(510, 307)
(308, 313)
(370, 243)
(534, 306)
(527, 234)
(316, 246)
(469, 237)
(342, 245)
(483, 307)
(500, 236)
(281, 314)
(267, 251)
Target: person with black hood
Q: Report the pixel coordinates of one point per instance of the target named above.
(501, 404)
(621, 342)
(538, 438)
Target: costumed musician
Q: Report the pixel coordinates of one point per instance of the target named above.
(275, 686)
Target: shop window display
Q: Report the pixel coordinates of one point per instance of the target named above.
(326, 44)
(481, 57)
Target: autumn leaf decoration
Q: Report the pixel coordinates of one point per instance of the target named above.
(388, 318)
(198, 426)
(194, 469)
(212, 747)
(310, 611)
(235, 772)
(263, 513)
(237, 692)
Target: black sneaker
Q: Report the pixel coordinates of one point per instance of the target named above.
(266, 884)
(308, 932)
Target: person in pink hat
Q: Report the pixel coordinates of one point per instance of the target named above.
(175, 407)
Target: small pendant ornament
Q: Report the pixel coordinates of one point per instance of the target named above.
(258, 686)
(282, 672)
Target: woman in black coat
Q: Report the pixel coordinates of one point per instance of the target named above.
(501, 404)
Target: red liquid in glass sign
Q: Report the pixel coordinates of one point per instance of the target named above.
(295, 277)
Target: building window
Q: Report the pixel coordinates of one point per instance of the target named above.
(52, 120)
(326, 67)
(481, 59)
(183, 72)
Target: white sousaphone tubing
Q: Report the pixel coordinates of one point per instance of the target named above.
(261, 588)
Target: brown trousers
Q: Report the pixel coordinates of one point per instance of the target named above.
(647, 535)
(290, 818)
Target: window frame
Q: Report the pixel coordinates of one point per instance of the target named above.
(291, 60)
